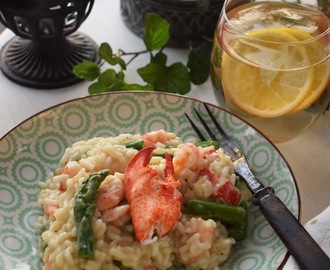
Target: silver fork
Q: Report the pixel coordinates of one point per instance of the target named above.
(298, 241)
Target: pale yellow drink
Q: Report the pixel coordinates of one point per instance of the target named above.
(271, 66)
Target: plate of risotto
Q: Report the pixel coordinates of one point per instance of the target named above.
(121, 181)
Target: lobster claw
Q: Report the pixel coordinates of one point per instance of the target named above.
(154, 203)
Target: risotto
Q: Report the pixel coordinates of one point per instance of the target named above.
(137, 202)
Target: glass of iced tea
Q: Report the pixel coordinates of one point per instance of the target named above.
(271, 64)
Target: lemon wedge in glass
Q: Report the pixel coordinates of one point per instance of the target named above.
(271, 72)
(317, 55)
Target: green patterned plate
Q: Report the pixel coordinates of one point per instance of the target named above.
(33, 149)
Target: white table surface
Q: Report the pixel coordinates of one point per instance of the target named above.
(308, 155)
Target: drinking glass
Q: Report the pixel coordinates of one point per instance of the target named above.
(270, 64)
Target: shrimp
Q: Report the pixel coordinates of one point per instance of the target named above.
(48, 265)
(155, 203)
(198, 232)
(111, 193)
(204, 228)
(223, 189)
(50, 209)
(153, 137)
(210, 154)
(188, 158)
(61, 179)
(71, 168)
(204, 235)
(114, 214)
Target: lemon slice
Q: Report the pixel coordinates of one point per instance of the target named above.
(316, 54)
(261, 82)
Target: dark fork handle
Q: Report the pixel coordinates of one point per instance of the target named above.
(298, 241)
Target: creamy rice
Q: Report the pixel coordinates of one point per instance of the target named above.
(193, 242)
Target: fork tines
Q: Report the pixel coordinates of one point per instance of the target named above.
(228, 141)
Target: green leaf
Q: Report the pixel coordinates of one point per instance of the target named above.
(106, 53)
(178, 79)
(199, 62)
(97, 88)
(135, 86)
(112, 80)
(121, 75)
(109, 77)
(157, 32)
(173, 79)
(160, 59)
(151, 73)
(87, 70)
(117, 60)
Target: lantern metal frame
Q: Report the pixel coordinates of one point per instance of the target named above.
(46, 46)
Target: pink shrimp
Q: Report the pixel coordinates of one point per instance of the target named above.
(151, 138)
(111, 192)
(48, 265)
(114, 214)
(210, 153)
(68, 171)
(50, 209)
(205, 229)
(198, 232)
(223, 189)
(187, 159)
(71, 168)
(155, 203)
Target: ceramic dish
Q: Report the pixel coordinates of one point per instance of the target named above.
(32, 150)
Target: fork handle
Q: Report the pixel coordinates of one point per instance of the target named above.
(298, 241)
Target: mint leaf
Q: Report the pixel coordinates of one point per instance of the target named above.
(157, 32)
(152, 73)
(135, 86)
(109, 77)
(97, 88)
(173, 79)
(87, 70)
(112, 80)
(121, 75)
(117, 60)
(106, 53)
(155, 70)
(199, 62)
(160, 59)
(178, 79)
(100, 87)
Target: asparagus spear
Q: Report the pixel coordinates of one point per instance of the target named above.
(203, 144)
(138, 144)
(84, 210)
(239, 232)
(234, 215)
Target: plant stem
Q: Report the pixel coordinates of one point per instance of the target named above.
(135, 55)
(121, 52)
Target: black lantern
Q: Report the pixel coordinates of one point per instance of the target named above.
(46, 46)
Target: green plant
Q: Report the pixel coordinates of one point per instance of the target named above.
(158, 76)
